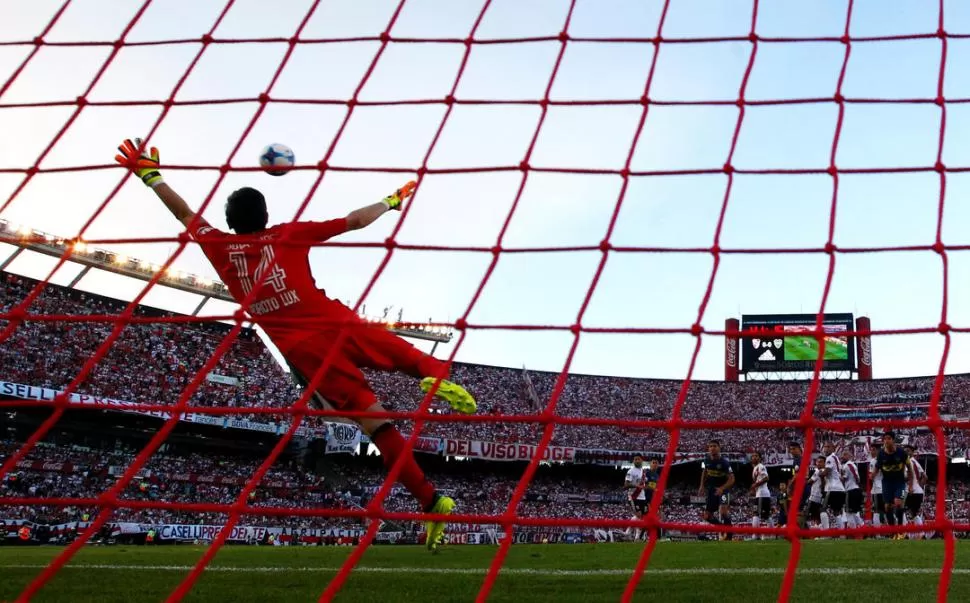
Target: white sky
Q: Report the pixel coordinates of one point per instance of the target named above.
(897, 290)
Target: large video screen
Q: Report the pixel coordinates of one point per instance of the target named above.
(787, 342)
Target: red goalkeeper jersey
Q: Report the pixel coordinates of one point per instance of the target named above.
(287, 303)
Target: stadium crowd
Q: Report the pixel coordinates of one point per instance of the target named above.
(351, 482)
(165, 357)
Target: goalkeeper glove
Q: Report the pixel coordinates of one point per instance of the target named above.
(394, 201)
(145, 165)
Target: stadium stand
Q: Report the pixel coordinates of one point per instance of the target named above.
(48, 354)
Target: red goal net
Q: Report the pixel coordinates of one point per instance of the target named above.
(653, 137)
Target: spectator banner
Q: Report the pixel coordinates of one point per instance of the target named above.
(342, 438)
(223, 379)
(492, 451)
(190, 532)
(429, 445)
(131, 528)
(30, 392)
(186, 532)
(225, 480)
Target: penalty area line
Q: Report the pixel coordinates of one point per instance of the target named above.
(818, 571)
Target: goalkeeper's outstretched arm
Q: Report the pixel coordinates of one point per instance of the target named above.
(145, 164)
(175, 203)
(365, 216)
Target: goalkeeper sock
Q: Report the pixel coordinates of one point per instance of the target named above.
(391, 444)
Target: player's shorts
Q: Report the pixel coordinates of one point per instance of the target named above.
(835, 500)
(914, 504)
(764, 507)
(640, 506)
(878, 503)
(853, 500)
(342, 384)
(815, 510)
(892, 490)
(714, 501)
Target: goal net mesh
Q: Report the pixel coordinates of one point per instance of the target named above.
(652, 39)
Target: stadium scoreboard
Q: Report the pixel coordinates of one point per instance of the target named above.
(788, 342)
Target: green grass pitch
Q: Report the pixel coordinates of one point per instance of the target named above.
(748, 572)
(805, 347)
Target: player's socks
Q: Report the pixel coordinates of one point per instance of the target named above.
(899, 517)
(714, 521)
(919, 521)
(840, 521)
(876, 522)
(825, 520)
(435, 530)
(391, 444)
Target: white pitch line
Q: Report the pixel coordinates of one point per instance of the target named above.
(820, 571)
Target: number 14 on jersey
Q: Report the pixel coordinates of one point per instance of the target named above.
(268, 273)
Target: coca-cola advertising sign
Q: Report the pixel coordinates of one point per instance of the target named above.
(865, 350)
(46, 466)
(731, 351)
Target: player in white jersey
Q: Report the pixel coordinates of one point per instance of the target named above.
(915, 481)
(816, 514)
(853, 492)
(635, 484)
(875, 489)
(834, 488)
(759, 489)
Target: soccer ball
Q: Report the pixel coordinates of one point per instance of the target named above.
(276, 159)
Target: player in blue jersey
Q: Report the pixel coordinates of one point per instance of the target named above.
(650, 478)
(717, 477)
(891, 465)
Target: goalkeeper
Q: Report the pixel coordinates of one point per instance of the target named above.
(269, 268)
